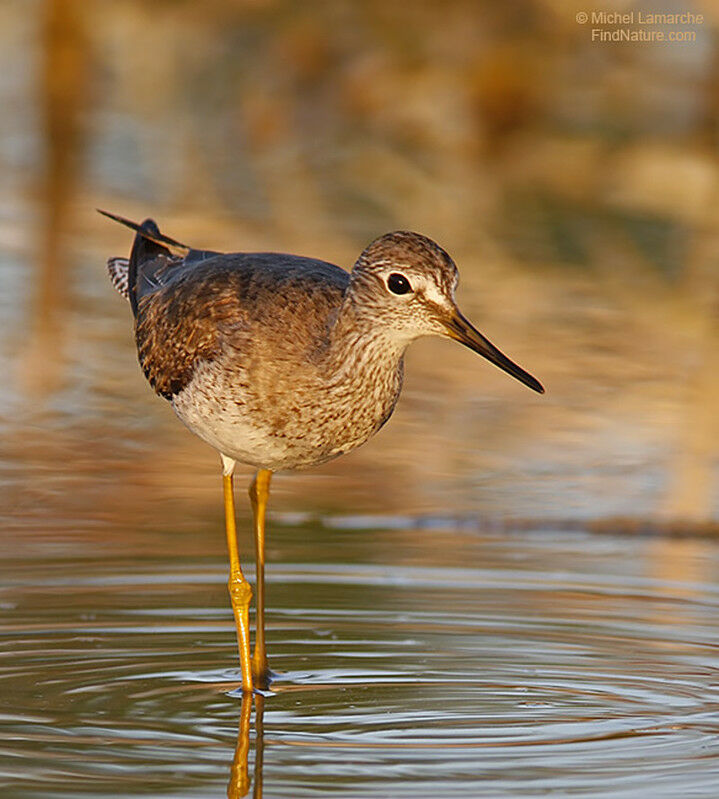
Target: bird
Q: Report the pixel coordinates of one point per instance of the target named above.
(280, 361)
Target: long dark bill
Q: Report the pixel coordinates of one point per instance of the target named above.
(461, 330)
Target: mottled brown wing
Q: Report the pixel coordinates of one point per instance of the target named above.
(180, 324)
(225, 299)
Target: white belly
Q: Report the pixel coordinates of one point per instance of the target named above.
(281, 424)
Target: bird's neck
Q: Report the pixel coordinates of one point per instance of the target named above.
(362, 372)
(360, 347)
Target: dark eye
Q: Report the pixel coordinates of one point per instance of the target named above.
(398, 284)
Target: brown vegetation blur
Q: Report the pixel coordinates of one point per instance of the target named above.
(575, 184)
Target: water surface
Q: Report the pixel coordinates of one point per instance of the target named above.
(477, 664)
(455, 640)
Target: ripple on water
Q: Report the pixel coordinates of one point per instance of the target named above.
(559, 665)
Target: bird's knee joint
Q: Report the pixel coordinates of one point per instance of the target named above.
(240, 591)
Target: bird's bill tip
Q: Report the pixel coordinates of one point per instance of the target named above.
(460, 329)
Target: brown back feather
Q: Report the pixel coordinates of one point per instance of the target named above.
(177, 326)
(223, 301)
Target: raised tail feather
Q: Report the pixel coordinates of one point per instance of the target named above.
(148, 245)
(152, 260)
(150, 234)
(119, 270)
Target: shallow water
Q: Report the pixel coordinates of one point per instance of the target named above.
(430, 647)
(525, 664)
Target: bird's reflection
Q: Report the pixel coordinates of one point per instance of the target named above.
(239, 784)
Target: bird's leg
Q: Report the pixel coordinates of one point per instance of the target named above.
(240, 591)
(259, 493)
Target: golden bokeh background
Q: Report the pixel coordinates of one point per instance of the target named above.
(501, 593)
(574, 182)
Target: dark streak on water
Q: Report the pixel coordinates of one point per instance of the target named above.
(517, 664)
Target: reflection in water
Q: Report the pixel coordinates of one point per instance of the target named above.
(259, 744)
(239, 784)
(482, 665)
(452, 656)
(63, 88)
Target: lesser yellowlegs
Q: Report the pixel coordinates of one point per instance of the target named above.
(280, 361)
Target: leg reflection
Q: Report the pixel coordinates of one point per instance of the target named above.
(259, 744)
(239, 784)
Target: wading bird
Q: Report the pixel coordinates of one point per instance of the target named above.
(280, 361)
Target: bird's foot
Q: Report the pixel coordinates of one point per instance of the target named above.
(262, 675)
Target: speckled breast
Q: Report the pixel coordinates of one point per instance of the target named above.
(287, 423)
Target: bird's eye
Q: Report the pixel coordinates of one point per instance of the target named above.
(398, 284)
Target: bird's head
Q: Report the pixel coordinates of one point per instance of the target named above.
(406, 282)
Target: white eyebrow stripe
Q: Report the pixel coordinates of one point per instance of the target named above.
(434, 294)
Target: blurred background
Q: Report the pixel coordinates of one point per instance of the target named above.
(574, 182)
(444, 617)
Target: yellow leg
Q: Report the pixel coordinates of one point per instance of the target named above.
(240, 591)
(259, 493)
